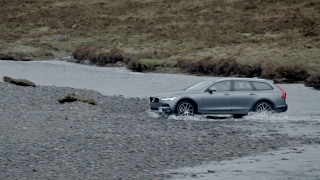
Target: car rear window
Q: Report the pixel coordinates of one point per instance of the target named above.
(262, 86)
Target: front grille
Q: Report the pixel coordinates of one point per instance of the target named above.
(154, 100)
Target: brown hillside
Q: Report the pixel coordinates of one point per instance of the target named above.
(265, 31)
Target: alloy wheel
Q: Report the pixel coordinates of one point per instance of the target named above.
(185, 108)
(263, 107)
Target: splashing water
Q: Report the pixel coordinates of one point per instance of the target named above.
(252, 116)
(280, 117)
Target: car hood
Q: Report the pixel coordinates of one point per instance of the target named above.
(178, 93)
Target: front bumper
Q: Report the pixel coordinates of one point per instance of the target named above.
(160, 107)
(162, 110)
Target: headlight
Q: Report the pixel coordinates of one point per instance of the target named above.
(167, 98)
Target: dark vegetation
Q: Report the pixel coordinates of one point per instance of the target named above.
(313, 81)
(146, 62)
(98, 55)
(220, 67)
(26, 56)
(265, 38)
(20, 82)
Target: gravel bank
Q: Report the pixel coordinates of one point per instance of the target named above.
(43, 139)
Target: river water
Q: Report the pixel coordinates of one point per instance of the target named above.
(108, 81)
(303, 112)
(304, 102)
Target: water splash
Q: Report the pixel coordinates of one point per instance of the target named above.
(280, 117)
(190, 118)
(252, 116)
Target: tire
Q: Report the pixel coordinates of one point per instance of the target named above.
(185, 108)
(263, 106)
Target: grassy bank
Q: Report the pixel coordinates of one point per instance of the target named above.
(161, 35)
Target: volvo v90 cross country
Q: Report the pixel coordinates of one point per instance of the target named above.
(236, 96)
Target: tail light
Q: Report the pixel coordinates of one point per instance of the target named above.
(284, 94)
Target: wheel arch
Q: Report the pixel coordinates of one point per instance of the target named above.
(260, 100)
(187, 99)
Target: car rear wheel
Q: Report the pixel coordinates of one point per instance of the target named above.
(263, 106)
(185, 108)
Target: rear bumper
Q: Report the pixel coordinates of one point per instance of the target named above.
(281, 109)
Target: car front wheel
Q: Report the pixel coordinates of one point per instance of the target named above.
(263, 106)
(185, 108)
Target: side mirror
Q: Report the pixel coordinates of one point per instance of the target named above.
(212, 89)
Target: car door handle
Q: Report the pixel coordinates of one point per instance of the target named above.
(252, 94)
(226, 94)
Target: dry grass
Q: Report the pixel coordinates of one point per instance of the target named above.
(264, 31)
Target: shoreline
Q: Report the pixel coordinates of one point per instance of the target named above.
(167, 71)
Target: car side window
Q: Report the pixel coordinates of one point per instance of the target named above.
(262, 86)
(242, 86)
(222, 86)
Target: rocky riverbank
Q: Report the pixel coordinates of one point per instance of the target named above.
(116, 139)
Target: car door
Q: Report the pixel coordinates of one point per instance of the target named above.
(243, 97)
(218, 101)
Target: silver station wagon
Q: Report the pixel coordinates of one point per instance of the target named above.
(236, 96)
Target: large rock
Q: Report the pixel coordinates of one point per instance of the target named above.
(20, 82)
(72, 97)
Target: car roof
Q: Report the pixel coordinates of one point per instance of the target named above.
(216, 79)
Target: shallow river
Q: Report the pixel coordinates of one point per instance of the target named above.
(303, 102)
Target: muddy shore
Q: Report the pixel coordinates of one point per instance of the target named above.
(117, 139)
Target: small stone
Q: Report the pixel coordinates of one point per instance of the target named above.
(194, 176)
(87, 62)
(59, 38)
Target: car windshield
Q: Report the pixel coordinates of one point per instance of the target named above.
(199, 86)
